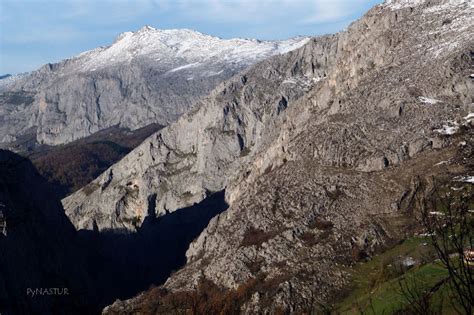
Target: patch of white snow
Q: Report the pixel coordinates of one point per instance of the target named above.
(448, 129)
(211, 73)
(465, 179)
(168, 46)
(289, 81)
(428, 100)
(400, 4)
(191, 65)
(444, 6)
(469, 117)
(408, 261)
(7, 81)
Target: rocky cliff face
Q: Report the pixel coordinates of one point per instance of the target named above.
(150, 76)
(317, 175)
(240, 130)
(206, 147)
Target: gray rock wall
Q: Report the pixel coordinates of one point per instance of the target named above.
(150, 76)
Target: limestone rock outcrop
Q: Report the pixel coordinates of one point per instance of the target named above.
(147, 76)
(205, 148)
(329, 179)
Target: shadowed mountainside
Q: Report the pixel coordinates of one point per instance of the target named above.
(41, 248)
(124, 264)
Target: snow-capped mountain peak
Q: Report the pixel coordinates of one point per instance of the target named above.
(182, 46)
(400, 4)
(8, 79)
(147, 76)
(147, 28)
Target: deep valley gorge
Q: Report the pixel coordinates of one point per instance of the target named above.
(173, 172)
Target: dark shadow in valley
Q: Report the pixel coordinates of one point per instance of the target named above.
(47, 267)
(123, 265)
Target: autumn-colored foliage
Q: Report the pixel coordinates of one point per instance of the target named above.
(206, 299)
(72, 166)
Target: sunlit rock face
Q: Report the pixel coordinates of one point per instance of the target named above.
(144, 77)
(321, 151)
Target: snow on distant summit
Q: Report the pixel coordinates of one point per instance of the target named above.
(400, 4)
(143, 77)
(188, 46)
(8, 79)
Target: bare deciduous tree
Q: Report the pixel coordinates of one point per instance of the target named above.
(450, 225)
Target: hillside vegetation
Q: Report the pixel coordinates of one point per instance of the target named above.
(71, 166)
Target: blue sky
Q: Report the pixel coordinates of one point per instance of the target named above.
(35, 32)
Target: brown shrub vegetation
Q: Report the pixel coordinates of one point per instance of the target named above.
(71, 166)
(320, 224)
(207, 298)
(257, 237)
(309, 239)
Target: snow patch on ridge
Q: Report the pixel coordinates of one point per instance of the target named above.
(445, 6)
(400, 4)
(469, 117)
(448, 129)
(303, 81)
(7, 81)
(456, 22)
(179, 49)
(211, 73)
(191, 65)
(428, 100)
(465, 179)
